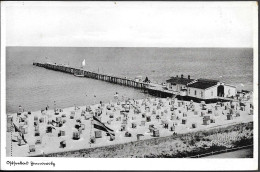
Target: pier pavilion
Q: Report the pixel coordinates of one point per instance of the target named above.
(200, 89)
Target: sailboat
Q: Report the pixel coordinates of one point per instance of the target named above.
(82, 65)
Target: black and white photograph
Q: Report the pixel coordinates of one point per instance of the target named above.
(87, 80)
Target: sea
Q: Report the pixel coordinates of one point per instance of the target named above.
(34, 88)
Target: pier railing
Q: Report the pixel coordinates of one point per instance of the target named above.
(94, 75)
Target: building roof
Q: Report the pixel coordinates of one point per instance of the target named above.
(203, 83)
(208, 80)
(179, 80)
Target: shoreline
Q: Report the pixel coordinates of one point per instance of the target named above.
(83, 142)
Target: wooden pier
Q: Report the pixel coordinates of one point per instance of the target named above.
(150, 88)
(94, 75)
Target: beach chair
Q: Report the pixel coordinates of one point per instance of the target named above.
(172, 128)
(124, 121)
(139, 136)
(77, 126)
(194, 125)
(83, 113)
(48, 129)
(38, 141)
(98, 134)
(123, 127)
(147, 109)
(61, 133)
(111, 116)
(142, 123)
(151, 128)
(212, 120)
(166, 125)
(206, 121)
(41, 120)
(127, 134)
(63, 144)
(127, 109)
(35, 123)
(76, 135)
(58, 119)
(92, 140)
(173, 117)
(31, 148)
(229, 117)
(72, 116)
(82, 126)
(35, 118)
(112, 137)
(184, 121)
(156, 133)
(37, 133)
(148, 119)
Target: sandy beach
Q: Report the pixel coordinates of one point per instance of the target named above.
(184, 116)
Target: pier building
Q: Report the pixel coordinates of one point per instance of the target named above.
(201, 89)
(178, 84)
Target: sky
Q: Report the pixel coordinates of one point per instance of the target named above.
(129, 24)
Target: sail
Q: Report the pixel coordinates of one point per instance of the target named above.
(83, 63)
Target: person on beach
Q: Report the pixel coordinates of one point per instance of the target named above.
(42, 152)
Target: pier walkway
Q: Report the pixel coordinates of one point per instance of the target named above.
(94, 75)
